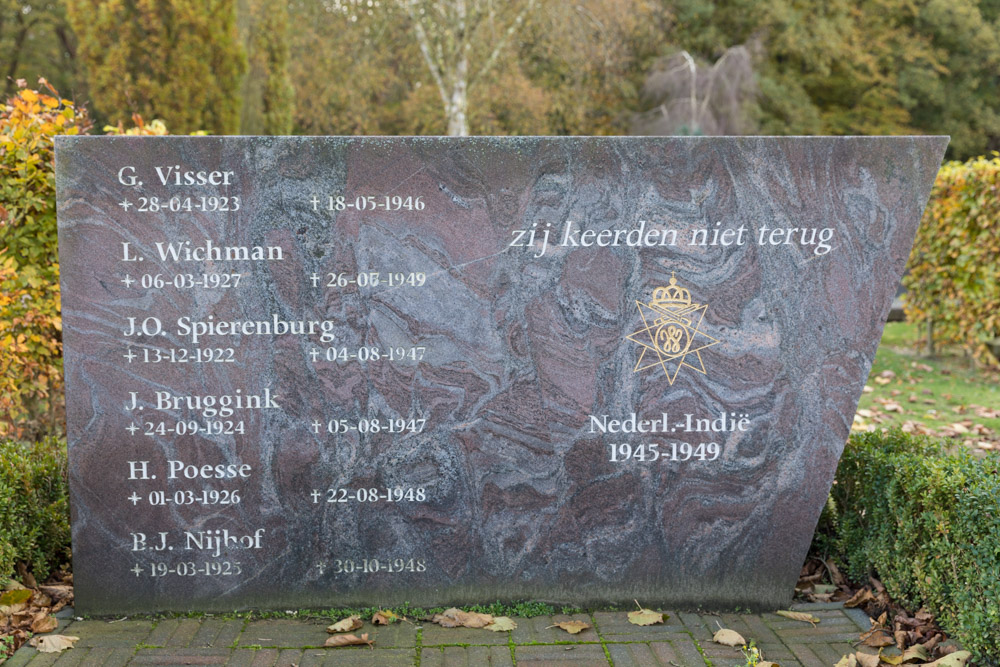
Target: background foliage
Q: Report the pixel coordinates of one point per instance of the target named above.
(928, 523)
(30, 325)
(587, 67)
(179, 61)
(954, 269)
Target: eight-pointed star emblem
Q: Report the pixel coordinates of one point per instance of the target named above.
(671, 335)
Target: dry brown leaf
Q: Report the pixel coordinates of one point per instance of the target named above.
(847, 661)
(57, 592)
(913, 654)
(502, 624)
(877, 638)
(728, 638)
(456, 618)
(43, 623)
(14, 585)
(13, 609)
(349, 640)
(572, 627)
(956, 659)
(53, 643)
(645, 616)
(384, 617)
(348, 624)
(798, 616)
(866, 660)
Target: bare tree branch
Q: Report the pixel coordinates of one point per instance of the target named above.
(518, 20)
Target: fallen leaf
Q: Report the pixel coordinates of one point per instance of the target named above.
(456, 618)
(866, 660)
(728, 638)
(15, 597)
(10, 610)
(502, 624)
(53, 643)
(348, 624)
(43, 623)
(57, 592)
(956, 659)
(384, 617)
(877, 638)
(14, 585)
(798, 616)
(645, 616)
(914, 653)
(847, 661)
(349, 640)
(768, 664)
(887, 374)
(881, 380)
(572, 627)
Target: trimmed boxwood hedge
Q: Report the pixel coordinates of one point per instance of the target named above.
(927, 521)
(34, 507)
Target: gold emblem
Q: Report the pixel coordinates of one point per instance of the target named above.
(674, 339)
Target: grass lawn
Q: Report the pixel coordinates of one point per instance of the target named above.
(944, 395)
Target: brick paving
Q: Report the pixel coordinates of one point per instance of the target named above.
(683, 641)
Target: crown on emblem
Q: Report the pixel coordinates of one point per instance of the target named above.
(672, 295)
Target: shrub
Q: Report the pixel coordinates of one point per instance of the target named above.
(953, 269)
(34, 506)
(30, 345)
(928, 522)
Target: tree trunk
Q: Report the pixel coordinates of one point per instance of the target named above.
(458, 106)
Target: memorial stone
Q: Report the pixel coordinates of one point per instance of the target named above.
(306, 372)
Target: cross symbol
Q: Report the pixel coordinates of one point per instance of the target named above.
(315, 279)
(125, 204)
(314, 353)
(316, 426)
(128, 280)
(315, 202)
(132, 429)
(319, 566)
(136, 569)
(134, 498)
(130, 356)
(315, 496)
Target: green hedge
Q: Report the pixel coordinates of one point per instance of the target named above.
(928, 523)
(953, 267)
(34, 506)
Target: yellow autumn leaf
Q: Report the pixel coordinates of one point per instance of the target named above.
(728, 638)
(348, 624)
(798, 616)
